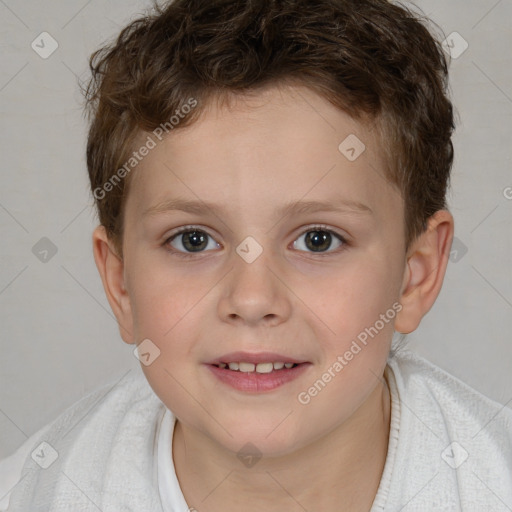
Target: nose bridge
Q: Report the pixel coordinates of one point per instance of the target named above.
(254, 293)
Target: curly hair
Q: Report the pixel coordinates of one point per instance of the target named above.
(375, 60)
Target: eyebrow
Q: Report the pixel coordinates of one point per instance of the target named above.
(294, 207)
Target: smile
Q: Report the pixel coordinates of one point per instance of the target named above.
(258, 368)
(256, 378)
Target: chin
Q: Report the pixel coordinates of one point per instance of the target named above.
(269, 442)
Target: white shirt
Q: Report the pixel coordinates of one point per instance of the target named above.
(168, 486)
(450, 447)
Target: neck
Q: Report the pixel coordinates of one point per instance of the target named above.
(339, 472)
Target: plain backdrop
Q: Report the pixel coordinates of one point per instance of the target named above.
(59, 339)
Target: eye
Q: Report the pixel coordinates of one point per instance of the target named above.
(318, 239)
(191, 240)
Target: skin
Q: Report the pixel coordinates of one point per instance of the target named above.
(275, 147)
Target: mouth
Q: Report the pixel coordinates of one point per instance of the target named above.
(256, 373)
(265, 367)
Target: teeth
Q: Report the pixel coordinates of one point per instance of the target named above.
(258, 368)
(246, 367)
(264, 367)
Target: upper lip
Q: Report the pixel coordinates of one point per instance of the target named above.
(259, 357)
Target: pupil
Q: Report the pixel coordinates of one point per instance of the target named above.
(194, 240)
(319, 239)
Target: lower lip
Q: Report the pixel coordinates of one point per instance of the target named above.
(258, 382)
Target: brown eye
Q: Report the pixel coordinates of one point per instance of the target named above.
(319, 240)
(191, 241)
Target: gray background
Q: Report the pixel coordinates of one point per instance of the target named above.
(59, 339)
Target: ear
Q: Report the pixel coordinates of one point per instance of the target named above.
(426, 264)
(111, 269)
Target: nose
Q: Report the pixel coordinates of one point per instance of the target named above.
(255, 293)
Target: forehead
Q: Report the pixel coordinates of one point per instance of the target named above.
(280, 145)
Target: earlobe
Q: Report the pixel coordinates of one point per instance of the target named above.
(111, 269)
(426, 265)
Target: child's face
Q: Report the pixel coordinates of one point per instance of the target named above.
(309, 306)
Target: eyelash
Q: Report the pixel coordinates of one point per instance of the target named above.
(189, 229)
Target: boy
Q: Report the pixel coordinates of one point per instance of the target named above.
(270, 178)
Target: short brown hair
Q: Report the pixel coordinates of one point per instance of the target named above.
(375, 60)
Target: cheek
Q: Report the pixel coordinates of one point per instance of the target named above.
(354, 298)
(166, 312)
(359, 310)
(161, 297)
(169, 310)
(359, 306)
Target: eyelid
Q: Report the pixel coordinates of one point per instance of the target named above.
(324, 227)
(185, 229)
